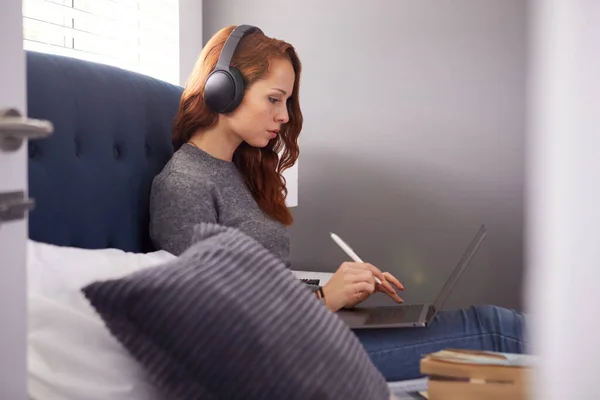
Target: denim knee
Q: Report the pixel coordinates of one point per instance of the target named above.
(504, 323)
(487, 312)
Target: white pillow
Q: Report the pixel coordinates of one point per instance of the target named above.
(71, 354)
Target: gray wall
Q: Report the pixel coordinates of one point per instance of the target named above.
(414, 135)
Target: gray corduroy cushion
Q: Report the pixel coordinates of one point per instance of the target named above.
(227, 320)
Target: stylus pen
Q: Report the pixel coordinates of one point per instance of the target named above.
(349, 251)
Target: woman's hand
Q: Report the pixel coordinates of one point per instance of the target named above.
(353, 283)
(388, 288)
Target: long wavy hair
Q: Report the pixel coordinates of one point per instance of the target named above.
(261, 168)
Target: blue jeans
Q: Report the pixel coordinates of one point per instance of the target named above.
(397, 352)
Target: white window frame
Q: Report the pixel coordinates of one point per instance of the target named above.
(138, 35)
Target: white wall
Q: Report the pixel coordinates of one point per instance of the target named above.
(414, 134)
(13, 176)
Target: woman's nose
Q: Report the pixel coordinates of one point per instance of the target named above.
(283, 117)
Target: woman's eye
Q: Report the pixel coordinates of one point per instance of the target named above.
(273, 100)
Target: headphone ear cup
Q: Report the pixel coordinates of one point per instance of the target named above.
(224, 90)
(219, 90)
(239, 89)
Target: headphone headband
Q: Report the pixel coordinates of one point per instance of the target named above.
(232, 42)
(224, 88)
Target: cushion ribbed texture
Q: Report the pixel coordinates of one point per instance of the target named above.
(227, 320)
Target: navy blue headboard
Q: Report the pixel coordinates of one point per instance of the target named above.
(91, 179)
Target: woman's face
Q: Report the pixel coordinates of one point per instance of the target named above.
(264, 107)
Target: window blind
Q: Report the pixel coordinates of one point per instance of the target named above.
(138, 35)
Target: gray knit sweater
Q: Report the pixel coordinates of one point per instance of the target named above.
(196, 187)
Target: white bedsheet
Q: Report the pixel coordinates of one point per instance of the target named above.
(71, 355)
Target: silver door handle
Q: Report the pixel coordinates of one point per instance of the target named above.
(14, 205)
(14, 128)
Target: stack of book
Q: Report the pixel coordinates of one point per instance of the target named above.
(455, 374)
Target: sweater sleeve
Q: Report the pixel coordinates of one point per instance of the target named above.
(179, 202)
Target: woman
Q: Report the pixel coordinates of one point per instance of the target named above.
(226, 170)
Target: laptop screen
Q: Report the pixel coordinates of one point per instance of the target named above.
(460, 268)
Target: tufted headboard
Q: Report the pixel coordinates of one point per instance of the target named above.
(112, 134)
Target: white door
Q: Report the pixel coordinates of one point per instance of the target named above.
(563, 199)
(13, 234)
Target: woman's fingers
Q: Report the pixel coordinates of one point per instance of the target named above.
(375, 271)
(384, 277)
(366, 283)
(368, 287)
(386, 287)
(392, 278)
(393, 295)
(362, 277)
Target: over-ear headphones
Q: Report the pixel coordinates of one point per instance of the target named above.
(224, 88)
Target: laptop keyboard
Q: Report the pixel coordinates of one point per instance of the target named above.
(388, 315)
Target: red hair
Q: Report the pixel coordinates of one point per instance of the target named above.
(261, 168)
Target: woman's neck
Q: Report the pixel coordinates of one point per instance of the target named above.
(217, 142)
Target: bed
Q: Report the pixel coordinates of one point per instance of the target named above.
(91, 182)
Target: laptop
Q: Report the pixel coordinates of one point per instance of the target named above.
(411, 315)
